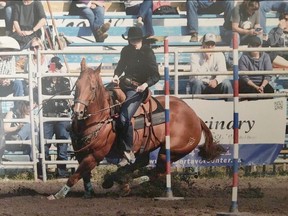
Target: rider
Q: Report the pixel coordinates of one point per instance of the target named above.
(138, 61)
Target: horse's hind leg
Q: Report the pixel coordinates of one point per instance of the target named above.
(84, 170)
(121, 175)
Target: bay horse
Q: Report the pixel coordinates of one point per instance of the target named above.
(93, 135)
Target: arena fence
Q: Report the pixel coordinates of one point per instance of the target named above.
(176, 74)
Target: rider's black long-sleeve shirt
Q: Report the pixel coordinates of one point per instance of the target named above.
(138, 65)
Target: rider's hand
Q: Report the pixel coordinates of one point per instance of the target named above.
(115, 79)
(142, 87)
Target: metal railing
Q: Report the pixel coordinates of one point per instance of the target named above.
(175, 52)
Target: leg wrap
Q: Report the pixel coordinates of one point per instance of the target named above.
(63, 192)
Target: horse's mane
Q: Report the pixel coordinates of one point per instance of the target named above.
(100, 91)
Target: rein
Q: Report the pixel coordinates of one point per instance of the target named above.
(52, 96)
(101, 110)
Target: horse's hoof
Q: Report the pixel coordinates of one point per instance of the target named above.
(51, 197)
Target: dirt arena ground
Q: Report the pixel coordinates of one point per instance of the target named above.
(265, 196)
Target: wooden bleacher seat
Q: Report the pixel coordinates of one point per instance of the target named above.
(77, 30)
(174, 26)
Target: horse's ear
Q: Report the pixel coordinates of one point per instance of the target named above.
(83, 65)
(98, 70)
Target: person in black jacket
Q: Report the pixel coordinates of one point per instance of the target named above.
(138, 61)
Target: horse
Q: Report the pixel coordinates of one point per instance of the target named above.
(93, 133)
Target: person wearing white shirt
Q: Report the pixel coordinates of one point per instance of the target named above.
(209, 62)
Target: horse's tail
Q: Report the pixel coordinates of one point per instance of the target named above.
(210, 149)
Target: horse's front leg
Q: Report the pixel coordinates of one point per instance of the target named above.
(84, 170)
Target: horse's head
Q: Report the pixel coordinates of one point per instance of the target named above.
(88, 86)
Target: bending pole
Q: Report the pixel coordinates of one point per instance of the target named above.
(233, 211)
(169, 193)
(234, 204)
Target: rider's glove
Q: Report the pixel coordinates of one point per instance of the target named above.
(142, 87)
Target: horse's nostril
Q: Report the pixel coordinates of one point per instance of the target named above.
(81, 112)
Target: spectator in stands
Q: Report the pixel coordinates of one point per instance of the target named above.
(255, 61)
(141, 71)
(6, 11)
(278, 37)
(3, 12)
(29, 17)
(22, 130)
(7, 67)
(245, 22)
(143, 11)
(53, 107)
(194, 8)
(267, 6)
(209, 62)
(94, 11)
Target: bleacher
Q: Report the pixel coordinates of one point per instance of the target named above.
(173, 26)
(76, 30)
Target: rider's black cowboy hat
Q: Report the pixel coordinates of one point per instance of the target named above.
(134, 33)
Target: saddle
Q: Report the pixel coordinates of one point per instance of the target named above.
(149, 114)
(150, 105)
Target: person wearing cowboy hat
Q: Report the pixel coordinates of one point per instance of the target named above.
(7, 67)
(138, 61)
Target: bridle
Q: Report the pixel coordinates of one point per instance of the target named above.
(84, 102)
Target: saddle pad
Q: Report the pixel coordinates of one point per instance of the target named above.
(157, 118)
(155, 107)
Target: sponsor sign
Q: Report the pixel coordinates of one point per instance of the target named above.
(262, 126)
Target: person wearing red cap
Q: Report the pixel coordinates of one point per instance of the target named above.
(138, 61)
